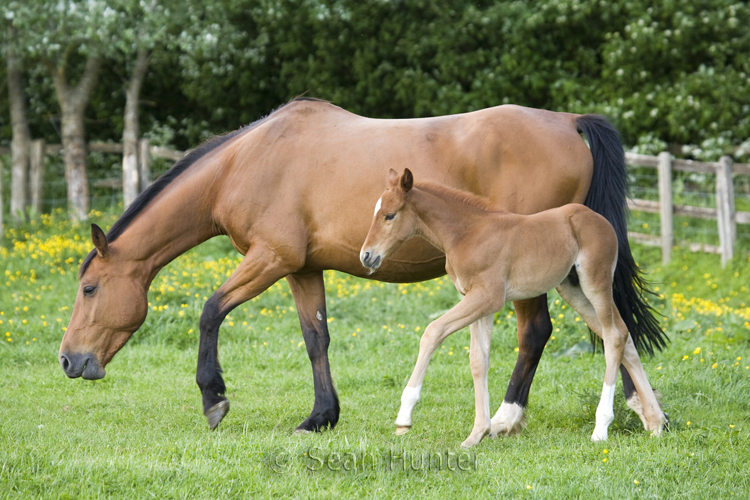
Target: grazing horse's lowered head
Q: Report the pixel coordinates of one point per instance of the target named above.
(110, 305)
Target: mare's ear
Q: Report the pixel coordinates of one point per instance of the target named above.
(99, 239)
(407, 180)
(393, 178)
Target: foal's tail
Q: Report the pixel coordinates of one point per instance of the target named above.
(607, 196)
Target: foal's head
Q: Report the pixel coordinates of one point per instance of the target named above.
(393, 222)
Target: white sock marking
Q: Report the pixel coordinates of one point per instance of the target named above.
(605, 413)
(409, 399)
(508, 414)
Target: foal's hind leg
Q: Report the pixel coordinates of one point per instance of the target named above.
(597, 309)
(574, 296)
(653, 417)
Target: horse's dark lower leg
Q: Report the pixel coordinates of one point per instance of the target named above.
(534, 329)
(308, 291)
(627, 383)
(208, 375)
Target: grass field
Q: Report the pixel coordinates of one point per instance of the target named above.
(140, 431)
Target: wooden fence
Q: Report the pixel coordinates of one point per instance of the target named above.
(725, 215)
(39, 149)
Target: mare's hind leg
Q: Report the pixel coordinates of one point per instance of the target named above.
(534, 330)
(308, 291)
(259, 269)
(475, 304)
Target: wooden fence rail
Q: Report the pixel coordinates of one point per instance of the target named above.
(725, 215)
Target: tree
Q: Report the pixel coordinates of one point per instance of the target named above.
(66, 36)
(21, 135)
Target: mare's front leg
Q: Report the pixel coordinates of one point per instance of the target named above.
(534, 330)
(479, 356)
(308, 291)
(476, 304)
(259, 269)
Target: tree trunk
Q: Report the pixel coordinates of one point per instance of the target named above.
(21, 135)
(130, 178)
(73, 103)
(2, 229)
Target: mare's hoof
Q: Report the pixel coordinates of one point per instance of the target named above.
(402, 429)
(216, 413)
(319, 421)
(506, 429)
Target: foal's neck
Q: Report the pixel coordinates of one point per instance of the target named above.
(445, 215)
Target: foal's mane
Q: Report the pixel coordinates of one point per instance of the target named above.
(151, 192)
(464, 197)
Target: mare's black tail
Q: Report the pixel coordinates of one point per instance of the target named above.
(607, 196)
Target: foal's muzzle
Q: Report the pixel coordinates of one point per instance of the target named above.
(369, 260)
(81, 365)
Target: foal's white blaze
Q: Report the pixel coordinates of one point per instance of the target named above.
(605, 413)
(409, 399)
(508, 419)
(377, 206)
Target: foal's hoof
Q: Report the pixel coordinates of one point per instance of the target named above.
(402, 429)
(216, 413)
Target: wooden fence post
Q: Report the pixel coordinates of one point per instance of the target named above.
(144, 163)
(665, 206)
(725, 208)
(36, 175)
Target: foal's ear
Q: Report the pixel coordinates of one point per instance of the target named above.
(99, 239)
(407, 181)
(393, 178)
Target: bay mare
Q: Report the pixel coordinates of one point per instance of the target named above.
(288, 191)
(493, 256)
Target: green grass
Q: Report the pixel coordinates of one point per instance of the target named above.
(140, 432)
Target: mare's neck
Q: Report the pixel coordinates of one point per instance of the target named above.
(178, 219)
(443, 221)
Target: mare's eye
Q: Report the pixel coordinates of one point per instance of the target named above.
(89, 290)
(389, 216)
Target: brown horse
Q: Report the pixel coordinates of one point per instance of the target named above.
(488, 258)
(288, 189)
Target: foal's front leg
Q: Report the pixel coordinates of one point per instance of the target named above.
(479, 355)
(473, 306)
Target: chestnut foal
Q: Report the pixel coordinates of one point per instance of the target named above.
(493, 257)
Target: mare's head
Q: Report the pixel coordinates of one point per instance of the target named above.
(110, 305)
(393, 223)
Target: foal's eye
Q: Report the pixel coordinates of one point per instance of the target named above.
(389, 216)
(89, 290)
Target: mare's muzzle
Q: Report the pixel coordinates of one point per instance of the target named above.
(81, 365)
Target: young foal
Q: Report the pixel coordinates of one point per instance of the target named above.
(494, 257)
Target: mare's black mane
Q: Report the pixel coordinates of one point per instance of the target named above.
(143, 200)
